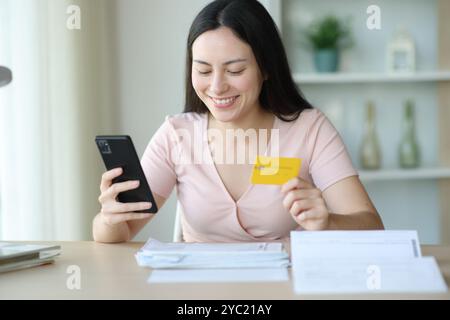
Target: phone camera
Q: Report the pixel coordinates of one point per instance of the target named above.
(104, 147)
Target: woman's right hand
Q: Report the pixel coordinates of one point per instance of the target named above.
(114, 212)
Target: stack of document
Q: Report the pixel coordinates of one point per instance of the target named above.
(16, 256)
(362, 261)
(160, 255)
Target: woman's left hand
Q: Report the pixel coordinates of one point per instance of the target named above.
(306, 204)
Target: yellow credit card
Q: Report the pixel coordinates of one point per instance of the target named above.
(274, 170)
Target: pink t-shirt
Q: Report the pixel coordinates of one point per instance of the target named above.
(178, 155)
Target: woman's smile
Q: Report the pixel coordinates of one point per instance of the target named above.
(223, 103)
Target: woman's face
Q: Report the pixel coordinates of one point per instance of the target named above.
(225, 75)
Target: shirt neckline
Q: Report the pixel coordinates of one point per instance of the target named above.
(214, 168)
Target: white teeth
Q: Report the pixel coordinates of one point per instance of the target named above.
(224, 101)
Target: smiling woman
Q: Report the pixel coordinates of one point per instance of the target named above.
(229, 88)
(248, 45)
(238, 79)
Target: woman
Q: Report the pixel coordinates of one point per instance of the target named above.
(238, 81)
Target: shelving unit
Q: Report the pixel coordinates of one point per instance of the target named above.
(333, 78)
(405, 174)
(444, 115)
(416, 198)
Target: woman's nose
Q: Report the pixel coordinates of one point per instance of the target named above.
(218, 84)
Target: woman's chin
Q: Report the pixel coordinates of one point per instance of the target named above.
(224, 116)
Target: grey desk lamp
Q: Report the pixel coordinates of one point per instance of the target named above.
(5, 76)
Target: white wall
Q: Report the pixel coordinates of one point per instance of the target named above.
(151, 40)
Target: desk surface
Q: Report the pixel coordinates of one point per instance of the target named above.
(109, 271)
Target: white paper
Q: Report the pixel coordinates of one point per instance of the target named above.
(362, 261)
(355, 244)
(218, 275)
(159, 255)
(343, 276)
(155, 246)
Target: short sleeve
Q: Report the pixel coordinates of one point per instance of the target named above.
(157, 161)
(329, 161)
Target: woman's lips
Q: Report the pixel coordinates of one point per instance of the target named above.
(222, 103)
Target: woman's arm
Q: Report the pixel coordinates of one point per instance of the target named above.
(119, 222)
(350, 207)
(107, 230)
(134, 226)
(343, 206)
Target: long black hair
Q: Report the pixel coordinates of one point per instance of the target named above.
(250, 21)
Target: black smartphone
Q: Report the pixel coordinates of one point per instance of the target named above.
(118, 151)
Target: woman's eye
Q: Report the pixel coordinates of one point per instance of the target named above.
(236, 72)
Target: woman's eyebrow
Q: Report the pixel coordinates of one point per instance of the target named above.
(225, 63)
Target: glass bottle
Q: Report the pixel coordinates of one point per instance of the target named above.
(370, 153)
(409, 155)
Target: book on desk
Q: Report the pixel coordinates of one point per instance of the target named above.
(17, 256)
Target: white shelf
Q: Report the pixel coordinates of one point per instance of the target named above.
(405, 174)
(324, 78)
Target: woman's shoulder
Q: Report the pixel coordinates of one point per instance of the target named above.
(177, 125)
(308, 118)
(308, 125)
(181, 121)
(184, 120)
(310, 115)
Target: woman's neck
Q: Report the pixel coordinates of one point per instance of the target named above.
(259, 119)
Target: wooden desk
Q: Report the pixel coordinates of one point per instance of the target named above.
(110, 271)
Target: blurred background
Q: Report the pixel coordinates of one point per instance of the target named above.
(379, 69)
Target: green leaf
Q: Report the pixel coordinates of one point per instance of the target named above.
(329, 33)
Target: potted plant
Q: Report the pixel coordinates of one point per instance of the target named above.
(327, 36)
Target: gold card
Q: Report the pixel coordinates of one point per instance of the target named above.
(274, 170)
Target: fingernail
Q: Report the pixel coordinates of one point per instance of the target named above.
(136, 183)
